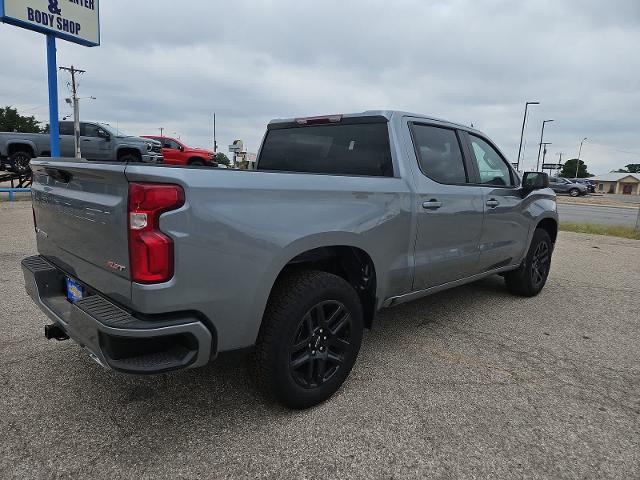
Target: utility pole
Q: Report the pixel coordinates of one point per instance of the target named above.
(76, 108)
(544, 122)
(524, 121)
(544, 152)
(559, 162)
(578, 160)
(161, 132)
(215, 143)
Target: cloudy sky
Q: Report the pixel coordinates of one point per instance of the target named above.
(173, 64)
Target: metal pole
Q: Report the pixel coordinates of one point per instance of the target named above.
(579, 152)
(540, 146)
(76, 114)
(52, 73)
(524, 121)
(215, 144)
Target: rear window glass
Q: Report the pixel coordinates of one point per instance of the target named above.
(354, 149)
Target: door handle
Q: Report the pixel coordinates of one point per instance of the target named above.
(86, 139)
(492, 203)
(432, 204)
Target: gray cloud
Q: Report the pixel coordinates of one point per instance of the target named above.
(172, 64)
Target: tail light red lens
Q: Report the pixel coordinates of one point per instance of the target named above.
(150, 250)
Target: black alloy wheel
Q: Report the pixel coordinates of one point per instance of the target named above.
(20, 161)
(320, 343)
(540, 263)
(309, 338)
(529, 279)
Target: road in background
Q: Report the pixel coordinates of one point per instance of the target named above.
(625, 216)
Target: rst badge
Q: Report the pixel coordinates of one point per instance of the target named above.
(115, 266)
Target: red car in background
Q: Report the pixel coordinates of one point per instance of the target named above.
(177, 153)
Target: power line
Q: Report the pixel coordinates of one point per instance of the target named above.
(604, 145)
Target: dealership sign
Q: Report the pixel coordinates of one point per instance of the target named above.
(72, 20)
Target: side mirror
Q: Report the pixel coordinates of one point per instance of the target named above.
(534, 181)
(103, 134)
(181, 148)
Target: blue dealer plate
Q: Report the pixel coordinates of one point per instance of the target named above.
(75, 291)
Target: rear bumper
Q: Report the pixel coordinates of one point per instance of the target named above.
(112, 336)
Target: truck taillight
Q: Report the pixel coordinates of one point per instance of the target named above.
(150, 250)
(319, 120)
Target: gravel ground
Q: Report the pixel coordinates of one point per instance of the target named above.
(464, 384)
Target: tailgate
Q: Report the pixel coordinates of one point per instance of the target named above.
(80, 210)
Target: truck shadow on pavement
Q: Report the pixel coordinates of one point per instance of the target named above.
(225, 389)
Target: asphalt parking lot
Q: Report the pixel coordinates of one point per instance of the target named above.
(467, 383)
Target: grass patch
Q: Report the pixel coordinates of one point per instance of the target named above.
(596, 229)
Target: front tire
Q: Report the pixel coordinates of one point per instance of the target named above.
(310, 338)
(129, 158)
(531, 277)
(574, 192)
(20, 162)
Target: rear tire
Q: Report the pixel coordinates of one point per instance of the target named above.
(574, 192)
(531, 277)
(309, 340)
(20, 161)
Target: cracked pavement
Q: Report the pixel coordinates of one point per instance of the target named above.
(468, 383)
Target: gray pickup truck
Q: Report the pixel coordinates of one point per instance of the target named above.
(153, 268)
(98, 141)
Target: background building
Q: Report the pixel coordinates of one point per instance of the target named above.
(621, 183)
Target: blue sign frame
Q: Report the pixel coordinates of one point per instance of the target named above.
(52, 69)
(49, 31)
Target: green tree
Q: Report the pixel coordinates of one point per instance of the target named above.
(12, 121)
(569, 169)
(633, 168)
(222, 158)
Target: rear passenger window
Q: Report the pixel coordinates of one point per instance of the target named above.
(351, 149)
(66, 128)
(439, 154)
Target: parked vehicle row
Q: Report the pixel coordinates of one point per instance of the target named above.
(590, 184)
(344, 216)
(98, 142)
(564, 185)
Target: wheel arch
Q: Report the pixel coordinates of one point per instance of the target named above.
(122, 151)
(550, 225)
(341, 254)
(20, 146)
(196, 158)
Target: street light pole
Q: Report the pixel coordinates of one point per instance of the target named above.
(579, 152)
(524, 121)
(544, 122)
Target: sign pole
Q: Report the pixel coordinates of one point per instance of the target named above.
(52, 72)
